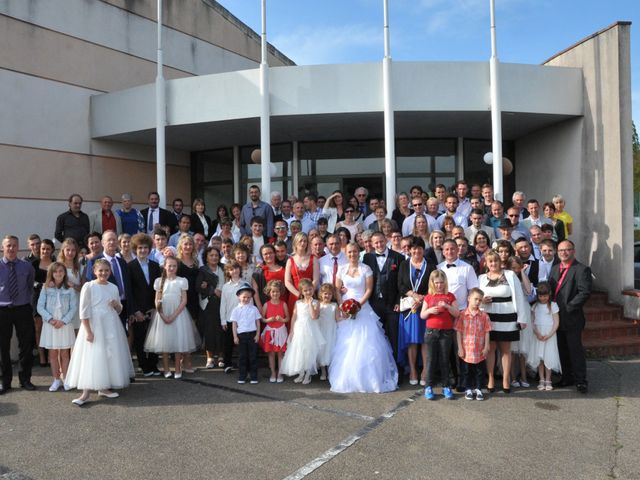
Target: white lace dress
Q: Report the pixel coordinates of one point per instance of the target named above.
(106, 362)
(304, 344)
(362, 359)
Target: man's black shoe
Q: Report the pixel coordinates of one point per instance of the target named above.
(582, 387)
(27, 385)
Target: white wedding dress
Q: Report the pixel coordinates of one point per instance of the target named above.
(362, 359)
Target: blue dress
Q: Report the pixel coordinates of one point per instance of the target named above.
(411, 327)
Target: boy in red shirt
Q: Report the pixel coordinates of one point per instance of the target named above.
(472, 327)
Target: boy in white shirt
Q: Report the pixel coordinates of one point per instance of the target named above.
(245, 318)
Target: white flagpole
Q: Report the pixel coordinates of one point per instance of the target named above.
(496, 122)
(161, 116)
(265, 140)
(389, 127)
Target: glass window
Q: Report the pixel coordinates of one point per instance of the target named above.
(281, 169)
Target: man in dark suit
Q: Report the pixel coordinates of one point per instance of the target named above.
(385, 298)
(154, 215)
(525, 253)
(571, 283)
(142, 275)
(119, 272)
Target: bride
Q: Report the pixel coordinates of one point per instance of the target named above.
(362, 359)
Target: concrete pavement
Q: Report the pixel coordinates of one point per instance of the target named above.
(206, 426)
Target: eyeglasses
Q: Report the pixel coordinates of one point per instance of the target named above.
(280, 228)
(565, 249)
(514, 216)
(348, 211)
(417, 204)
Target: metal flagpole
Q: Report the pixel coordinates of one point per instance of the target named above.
(161, 117)
(265, 141)
(496, 122)
(389, 128)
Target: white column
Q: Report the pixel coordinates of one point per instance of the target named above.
(496, 122)
(389, 128)
(161, 116)
(236, 174)
(265, 136)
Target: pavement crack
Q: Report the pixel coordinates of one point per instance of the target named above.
(616, 446)
(333, 452)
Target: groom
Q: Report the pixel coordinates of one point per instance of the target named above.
(384, 299)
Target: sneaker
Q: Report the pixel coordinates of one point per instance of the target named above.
(241, 382)
(448, 394)
(253, 382)
(147, 374)
(468, 394)
(428, 393)
(228, 369)
(524, 384)
(479, 394)
(515, 383)
(55, 385)
(210, 364)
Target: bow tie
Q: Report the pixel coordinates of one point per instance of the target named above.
(449, 265)
(380, 255)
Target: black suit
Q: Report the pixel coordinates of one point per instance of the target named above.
(385, 293)
(574, 292)
(165, 218)
(143, 300)
(534, 271)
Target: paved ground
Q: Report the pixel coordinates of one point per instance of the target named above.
(206, 426)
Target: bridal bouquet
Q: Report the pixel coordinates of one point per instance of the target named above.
(350, 307)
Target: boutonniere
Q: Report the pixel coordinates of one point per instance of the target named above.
(394, 267)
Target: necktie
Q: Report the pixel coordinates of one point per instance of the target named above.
(449, 265)
(150, 225)
(13, 281)
(118, 277)
(335, 269)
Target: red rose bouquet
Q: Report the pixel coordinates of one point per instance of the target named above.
(350, 307)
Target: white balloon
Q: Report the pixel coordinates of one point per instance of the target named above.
(488, 158)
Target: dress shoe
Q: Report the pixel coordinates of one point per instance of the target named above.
(79, 402)
(506, 390)
(27, 385)
(582, 388)
(108, 395)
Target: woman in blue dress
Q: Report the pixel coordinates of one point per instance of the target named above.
(413, 285)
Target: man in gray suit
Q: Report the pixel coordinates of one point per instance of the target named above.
(104, 219)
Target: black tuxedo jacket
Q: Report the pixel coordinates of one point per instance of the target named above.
(404, 280)
(573, 294)
(143, 295)
(534, 271)
(124, 269)
(385, 281)
(165, 218)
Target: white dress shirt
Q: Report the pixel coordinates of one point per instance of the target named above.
(460, 279)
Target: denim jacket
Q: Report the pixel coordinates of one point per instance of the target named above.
(48, 303)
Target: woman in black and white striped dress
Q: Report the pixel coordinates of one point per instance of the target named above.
(509, 313)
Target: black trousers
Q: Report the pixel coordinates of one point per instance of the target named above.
(147, 361)
(389, 320)
(572, 357)
(227, 345)
(20, 318)
(473, 375)
(247, 355)
(438, 350)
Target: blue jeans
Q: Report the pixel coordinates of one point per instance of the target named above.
(438, 349)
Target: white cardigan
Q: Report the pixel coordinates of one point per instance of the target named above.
(520, 304)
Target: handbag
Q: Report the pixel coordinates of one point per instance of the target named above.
(406, 303)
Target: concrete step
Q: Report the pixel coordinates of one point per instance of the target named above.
(612, 347)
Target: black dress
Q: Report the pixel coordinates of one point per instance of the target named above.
(191, 274)
(208, 320)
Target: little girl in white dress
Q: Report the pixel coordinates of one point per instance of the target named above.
(329, 315)
(101, 358)
(306, 340)
(543, 348)
(171, 330)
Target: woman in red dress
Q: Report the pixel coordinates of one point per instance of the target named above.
(267, 271)
(300, 265)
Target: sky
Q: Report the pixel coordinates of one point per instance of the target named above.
(350, 31)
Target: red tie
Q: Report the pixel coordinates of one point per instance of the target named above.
(335, 269)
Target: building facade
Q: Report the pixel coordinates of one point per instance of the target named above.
(81, 117)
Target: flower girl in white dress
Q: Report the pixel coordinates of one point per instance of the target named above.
(171, 330)
(100, 359)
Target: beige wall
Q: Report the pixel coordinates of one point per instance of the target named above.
(197, 18)
(598, 178)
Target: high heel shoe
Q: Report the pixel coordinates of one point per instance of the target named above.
(491, 389)
(506, 390)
